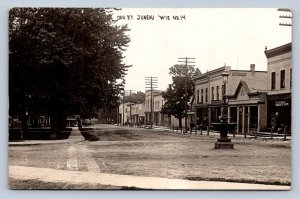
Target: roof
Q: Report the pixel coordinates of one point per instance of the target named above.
(203, 75)
(244, 84)
(279, 50)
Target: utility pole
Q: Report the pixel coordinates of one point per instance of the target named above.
(153, 83)
(187, 61)
(288, 15)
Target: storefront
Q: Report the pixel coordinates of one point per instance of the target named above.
(283, 106)
(208, 114)
(202, 113)
(248, 110)
(246, 117)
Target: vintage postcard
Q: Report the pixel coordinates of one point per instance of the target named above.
(150, 98)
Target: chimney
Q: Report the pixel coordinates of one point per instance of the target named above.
(252, 68)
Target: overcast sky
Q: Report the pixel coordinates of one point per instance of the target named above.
(214, 37)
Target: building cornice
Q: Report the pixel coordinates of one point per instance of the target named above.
(279, 50)
(205, 75)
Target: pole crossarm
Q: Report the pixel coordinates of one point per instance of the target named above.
(285, 24)
(287, 16)
(284, 9)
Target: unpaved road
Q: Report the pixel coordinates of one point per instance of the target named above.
(164, 154)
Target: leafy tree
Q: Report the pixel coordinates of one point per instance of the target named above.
(175, 94)
(64, 62)
(135, 98)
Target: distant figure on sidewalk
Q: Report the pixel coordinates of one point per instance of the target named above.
(192, 126)
(274, 122)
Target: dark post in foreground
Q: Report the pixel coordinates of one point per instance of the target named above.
(224, 142)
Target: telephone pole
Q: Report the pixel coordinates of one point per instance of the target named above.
(288, 15)
(187, 61)
(151, 83)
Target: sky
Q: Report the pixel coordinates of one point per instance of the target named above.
(215, 37)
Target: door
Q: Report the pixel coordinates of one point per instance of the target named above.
(240, 122)
(246, 120)
(253, 119)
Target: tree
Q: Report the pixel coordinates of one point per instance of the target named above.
(135, 98)
(175, 94)
(64, 62)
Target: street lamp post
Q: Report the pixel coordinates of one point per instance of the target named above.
(224, 116)
(224, 142)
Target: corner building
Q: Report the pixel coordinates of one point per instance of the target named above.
(280, 84)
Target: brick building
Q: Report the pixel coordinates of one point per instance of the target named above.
(279, 83)
(247, 104)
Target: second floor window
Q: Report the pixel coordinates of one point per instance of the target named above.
(197, 96)
(202, 95)
(218, 95)
(282, 79)
(212, 93)
(206, 95)
(273, 80)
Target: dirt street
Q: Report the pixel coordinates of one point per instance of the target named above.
(165, 154)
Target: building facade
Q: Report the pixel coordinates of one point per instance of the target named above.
(141, 113)
(243, 93)
(137, 114)
(159, 119)
(124, 113)
(279, 84)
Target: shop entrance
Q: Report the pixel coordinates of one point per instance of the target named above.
(240, 123)
(253, 119)
(246, 120)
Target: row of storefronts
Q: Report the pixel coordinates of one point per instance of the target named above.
(253, 97)
(141, 114)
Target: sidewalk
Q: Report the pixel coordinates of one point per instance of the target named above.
(75, 136)
(79, 177)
